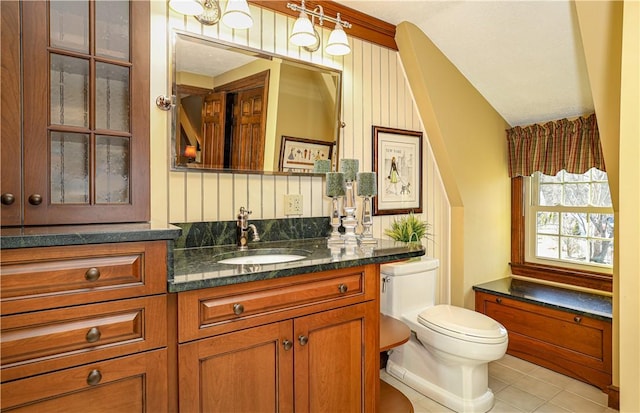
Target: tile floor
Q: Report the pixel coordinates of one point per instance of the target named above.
(520, 386)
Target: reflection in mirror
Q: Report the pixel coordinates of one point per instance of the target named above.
(237, 108)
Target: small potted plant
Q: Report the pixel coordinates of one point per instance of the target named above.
(409, 228)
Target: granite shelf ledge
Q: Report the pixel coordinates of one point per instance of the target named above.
(52, 236)
(572, 301)
(196, 268)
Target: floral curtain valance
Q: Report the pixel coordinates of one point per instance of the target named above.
(549, 148)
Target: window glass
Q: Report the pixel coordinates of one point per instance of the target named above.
(570, 220)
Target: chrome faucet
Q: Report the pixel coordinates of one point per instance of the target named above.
(242, 229)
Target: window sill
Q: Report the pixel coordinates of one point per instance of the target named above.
(586, 279)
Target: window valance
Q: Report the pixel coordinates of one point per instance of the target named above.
(572, 145)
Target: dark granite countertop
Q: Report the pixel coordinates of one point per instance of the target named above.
(577, 302)
(49, 236)
(196, 268)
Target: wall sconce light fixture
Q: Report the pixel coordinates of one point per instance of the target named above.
(236, 15)
(305, 35)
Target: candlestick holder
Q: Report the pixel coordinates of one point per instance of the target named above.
(349, 222)
(335, 190)
(367, 188)
(350, 169)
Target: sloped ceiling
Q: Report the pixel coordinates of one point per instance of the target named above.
(525, 57)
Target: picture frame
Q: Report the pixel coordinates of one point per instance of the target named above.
(299, 154)
(397, 162)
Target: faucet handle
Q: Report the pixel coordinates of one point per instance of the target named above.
(244, 213)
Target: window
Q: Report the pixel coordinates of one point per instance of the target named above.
(562, 228)
(569, 220)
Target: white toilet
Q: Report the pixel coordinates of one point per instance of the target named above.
(447, 356)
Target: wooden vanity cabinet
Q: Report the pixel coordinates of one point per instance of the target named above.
(75, 126)
(84, 328)
(575, 345)
(301, 343)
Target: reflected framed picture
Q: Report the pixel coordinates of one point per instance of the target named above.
(397, 162)
(299, 154)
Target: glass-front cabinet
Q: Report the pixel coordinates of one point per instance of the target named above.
(85, 133)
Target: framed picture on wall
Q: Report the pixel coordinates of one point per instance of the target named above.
(299, 154)
(397, 161)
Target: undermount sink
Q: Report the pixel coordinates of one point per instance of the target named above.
(262, 256)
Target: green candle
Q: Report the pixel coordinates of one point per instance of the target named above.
(321, 166)
(335, 184)
(350, 168)
(367, 184)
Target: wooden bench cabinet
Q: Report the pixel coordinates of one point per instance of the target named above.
(572, 344)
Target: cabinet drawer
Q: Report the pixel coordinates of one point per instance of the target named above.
(136, 383)
(217, 310)
(39, 278)
(51, 339)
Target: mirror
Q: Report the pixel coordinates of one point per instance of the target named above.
(240, 109)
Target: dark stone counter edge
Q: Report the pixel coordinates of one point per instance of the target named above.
(80, 238)
(555, 306)
(302, 269)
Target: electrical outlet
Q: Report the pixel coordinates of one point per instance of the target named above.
(293, 204)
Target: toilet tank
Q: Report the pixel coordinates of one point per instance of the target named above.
(408, 285)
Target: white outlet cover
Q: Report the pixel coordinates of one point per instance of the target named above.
(293, 204)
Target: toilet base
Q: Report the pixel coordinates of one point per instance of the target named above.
(426, 371)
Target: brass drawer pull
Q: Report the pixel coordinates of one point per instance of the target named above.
(92, 274)
(94, 377)
(343, 288)
(499, 300)
(303, 340)
(93, 335)
(287, 345)
(577, 319)
(238, 309)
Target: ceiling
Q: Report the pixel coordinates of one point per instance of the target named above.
(525, 57)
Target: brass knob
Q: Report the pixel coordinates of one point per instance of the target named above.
(499, 300)
(35, 199)
(577, 319)
(92, 274)
(93, 335)
(287, 345)
(303, 340)
(238, 309)
(343, 288)
(7, 198)
(94, 377)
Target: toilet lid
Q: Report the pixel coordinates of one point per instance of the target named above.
(464, 324)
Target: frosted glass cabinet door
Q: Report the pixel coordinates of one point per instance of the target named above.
(86, 153)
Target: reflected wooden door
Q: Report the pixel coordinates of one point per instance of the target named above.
(213, 118)
(248, 135)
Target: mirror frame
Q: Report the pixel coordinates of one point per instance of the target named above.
(217, 43)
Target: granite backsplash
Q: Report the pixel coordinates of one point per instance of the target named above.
(206, 234)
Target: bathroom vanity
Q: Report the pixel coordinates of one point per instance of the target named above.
(116, 309)
(295, 336)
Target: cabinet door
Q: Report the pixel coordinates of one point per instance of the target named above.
(85, 111)
(11, 164)
(334, 369)
(244, 371)
(135, 383)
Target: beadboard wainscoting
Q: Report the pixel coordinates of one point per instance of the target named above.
(375, 92)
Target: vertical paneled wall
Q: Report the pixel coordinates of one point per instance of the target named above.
(375, 92)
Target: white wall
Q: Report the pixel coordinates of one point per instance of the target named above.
(375, 92)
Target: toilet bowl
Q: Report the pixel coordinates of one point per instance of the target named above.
(447, 355)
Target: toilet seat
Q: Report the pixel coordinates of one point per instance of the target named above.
(463, 324)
